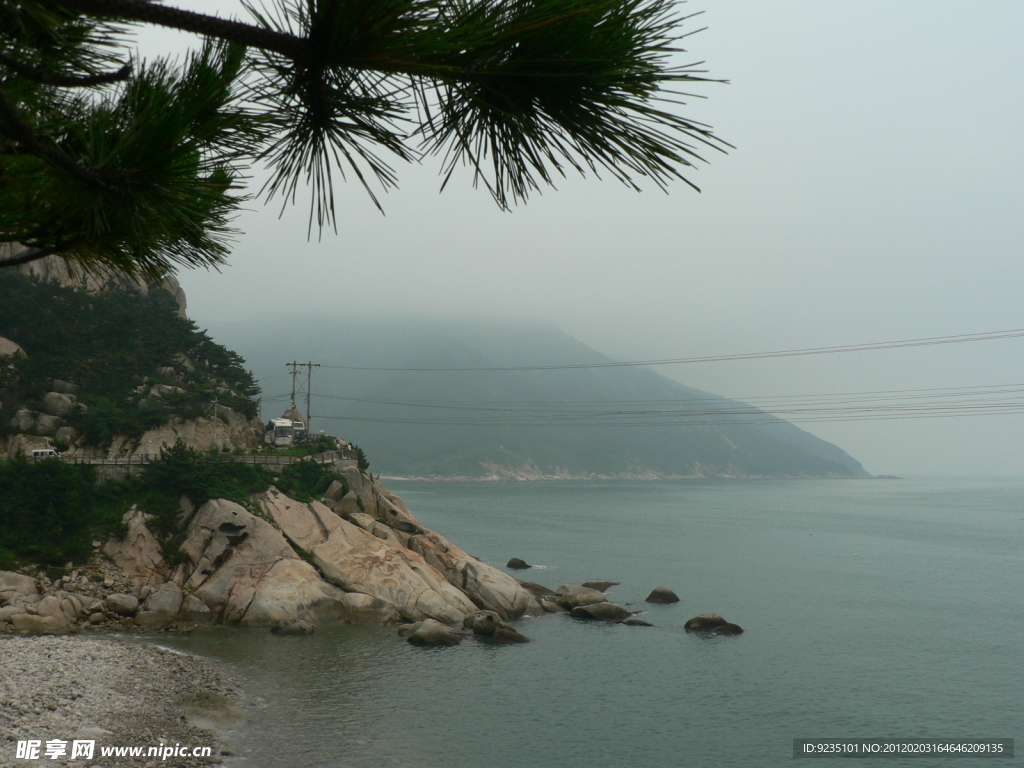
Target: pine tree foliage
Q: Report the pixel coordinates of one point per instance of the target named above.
(140, 166)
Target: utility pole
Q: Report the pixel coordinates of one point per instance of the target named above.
(300, 387)
(216, 418)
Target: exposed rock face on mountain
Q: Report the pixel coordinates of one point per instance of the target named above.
(280, 561)
(56, 269)
(113, 372)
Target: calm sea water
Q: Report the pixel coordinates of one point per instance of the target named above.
(871, 609)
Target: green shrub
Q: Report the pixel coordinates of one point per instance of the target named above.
(306, 480)
(47, 511)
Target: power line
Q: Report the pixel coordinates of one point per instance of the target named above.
(872, 346)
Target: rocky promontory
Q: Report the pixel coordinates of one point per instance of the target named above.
(357, 556)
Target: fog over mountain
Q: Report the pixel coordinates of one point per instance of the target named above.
(874, 194)
(531, 422)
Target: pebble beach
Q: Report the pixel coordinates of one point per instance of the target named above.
(115, 690)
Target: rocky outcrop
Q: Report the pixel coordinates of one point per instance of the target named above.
(279, 563)
(57, 269)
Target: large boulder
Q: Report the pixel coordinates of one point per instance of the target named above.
(121, 604)
(244, 571)
(489, 587)
(24, 420)
(570, 596)
(39, 625)
(601, 611)
(139, 553)
(432, 632)
(711, 623)
(305, 525)
(518, 564)
(358, 561)
(47, 424)
(16, 584)
(488, 624)
(362, 486)
(662, 595)
(311, 527)
(9, 348)
(57, 404)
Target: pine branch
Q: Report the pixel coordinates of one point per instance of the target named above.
(37, 75)
(189, 21)
(35, 254)
(12, 124)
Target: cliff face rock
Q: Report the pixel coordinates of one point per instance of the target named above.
(56, 269)
(279, 561)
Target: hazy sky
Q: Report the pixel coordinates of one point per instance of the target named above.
(876, 193)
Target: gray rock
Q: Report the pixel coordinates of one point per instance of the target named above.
(9, 348)
(537, 590)
(335, 491)
(57, 404)
(713, 624)
(550, 606)
(602, 611)
(63, 387)
(433, 632)
(483, 622)
(662, 595)
(38, 625)
(164, 601)
(47, 424)
(570, 596)
(600, 586)
(729, 629)
(12, 583)
(518, 564)
(296, 627)
(24, 420)
(637, 623)
(50, 606)
(68, 434)
(121, 604)
(505, 634)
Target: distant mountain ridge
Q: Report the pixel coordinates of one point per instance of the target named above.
(516, 424)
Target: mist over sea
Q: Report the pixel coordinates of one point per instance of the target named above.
(872, 608)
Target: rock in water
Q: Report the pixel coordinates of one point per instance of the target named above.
(712, 624)
(518, 564)
(662, 595)
(570, 596)
(433, 632)
(296, 627)
(729, 629)
(489, 624)
(601, 611)
(600, 586)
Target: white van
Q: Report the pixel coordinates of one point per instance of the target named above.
(38, 454)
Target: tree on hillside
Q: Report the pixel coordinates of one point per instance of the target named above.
(140, 166)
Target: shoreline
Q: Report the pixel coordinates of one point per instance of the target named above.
(113, 690)
(639, 477)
